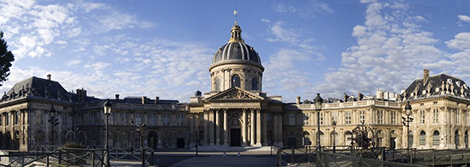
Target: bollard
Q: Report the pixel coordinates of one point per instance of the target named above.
(152, 154)
(279, 158)
(293, 155)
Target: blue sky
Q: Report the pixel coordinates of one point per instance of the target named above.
(164, 48)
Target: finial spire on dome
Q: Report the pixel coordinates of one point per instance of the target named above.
(236, 32)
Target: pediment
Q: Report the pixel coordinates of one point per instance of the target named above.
(235, 94)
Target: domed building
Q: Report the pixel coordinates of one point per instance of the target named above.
(236, 112)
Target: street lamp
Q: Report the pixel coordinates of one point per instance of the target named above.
(334, 136)
(140, 129)
(406, 122)
(107, 110)
(53, 121)
(318, 104)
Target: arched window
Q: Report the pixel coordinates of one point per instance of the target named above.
(347, 138)
(217, 84)
(254, 84)
(435, 138)
(457, 138)
(422, 138)
(235, 81)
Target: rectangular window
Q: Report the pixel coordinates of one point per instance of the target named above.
(380, 116)
(291, 119)
(16, 117)
(333, 117)
(422, 116)
(64, 119)
(7, 119)
(166, 119)
(393, 117)
(321, 118)
(269, 117)
(153, 119)
(435, 114)
(138, 118)
(362, 116)
(347, 117)
(457, 115)
(180, 119)
(305, 118)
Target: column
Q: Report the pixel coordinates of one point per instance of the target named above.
(211, 127)
(217, 127)
(225, 128)
(281, 140)
(192, 133)
(244, 128)
(258, 127)
(206, 127)
(276, 135)
(252, 129)
(196, 124)
(265, 129)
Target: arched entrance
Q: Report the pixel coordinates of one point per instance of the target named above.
(8, 140)
(152, 140)
(235, 133)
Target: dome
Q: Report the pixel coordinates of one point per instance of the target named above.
(236, 50)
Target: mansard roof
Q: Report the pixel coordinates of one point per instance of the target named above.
(35, 86)
(437, 85)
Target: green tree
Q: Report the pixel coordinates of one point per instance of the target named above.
(6, 58)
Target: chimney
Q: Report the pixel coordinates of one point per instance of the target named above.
(157, 99)
(297, 101)
(425, 75)
(48, 77)
(143, 99)
(117, 97)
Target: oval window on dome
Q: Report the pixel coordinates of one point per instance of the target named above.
(254, 84)
(235, 81)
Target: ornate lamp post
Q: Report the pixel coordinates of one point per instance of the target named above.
(140, 129)
(107, 110)
(334, 136)
(318, 104)
(53, 121)
(406, 122)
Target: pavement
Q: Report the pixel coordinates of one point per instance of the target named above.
(185, 157)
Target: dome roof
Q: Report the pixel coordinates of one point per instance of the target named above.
(236, 50)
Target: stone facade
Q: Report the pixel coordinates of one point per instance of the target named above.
(235, 113)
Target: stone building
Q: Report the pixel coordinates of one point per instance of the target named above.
(235, 113)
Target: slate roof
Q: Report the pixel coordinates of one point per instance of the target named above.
(39, 87)
(434, 86)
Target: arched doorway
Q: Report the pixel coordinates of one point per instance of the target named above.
(16, 140)
(152, 140)
(8, 140)
(235, 133)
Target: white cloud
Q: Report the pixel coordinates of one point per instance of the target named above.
(73, 62)
(390, 48)
(460, 42)
(311, 10)
(463, 18)
(118, 20)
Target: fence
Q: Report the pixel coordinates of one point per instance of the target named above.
(46, 155)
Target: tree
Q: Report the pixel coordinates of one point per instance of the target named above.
(6, 58)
